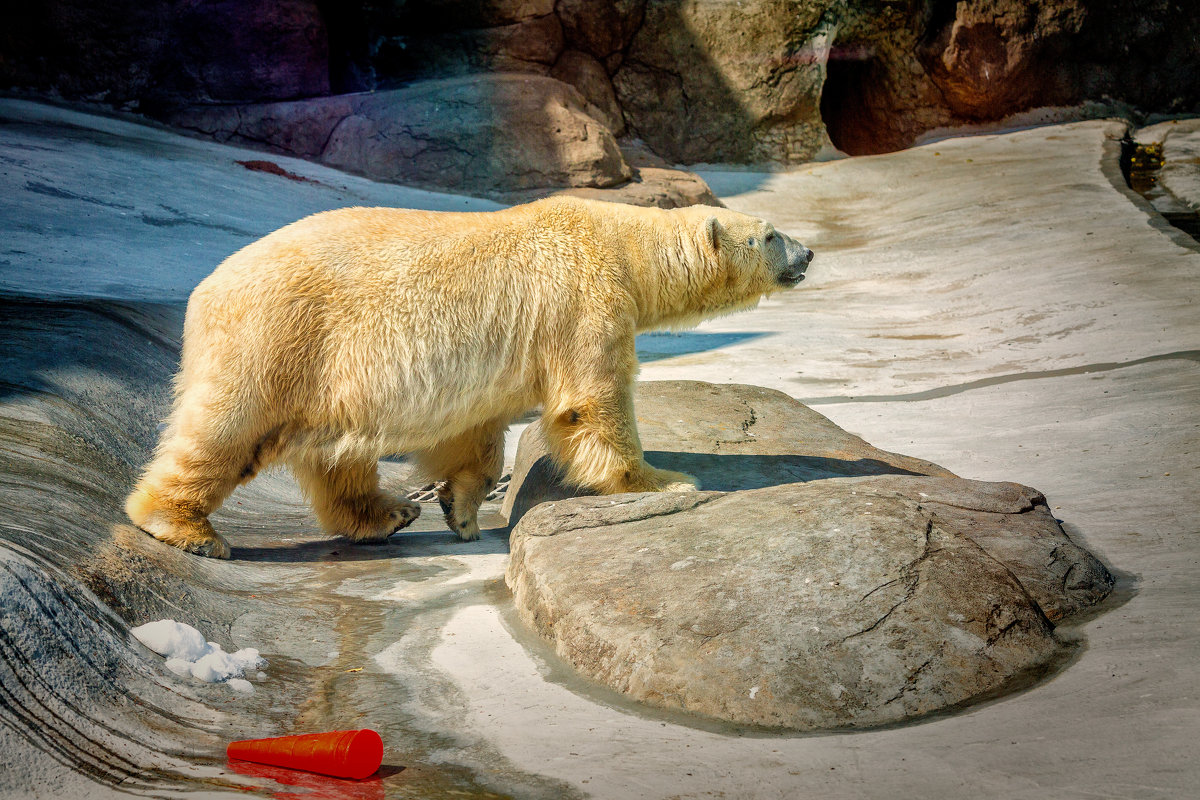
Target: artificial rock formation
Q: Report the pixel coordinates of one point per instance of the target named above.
(475, 135)
(829, 585)
(699, 81)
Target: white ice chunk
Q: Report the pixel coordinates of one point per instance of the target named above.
(188, 654)
(217, 665)
(241, 685)
(172, 639)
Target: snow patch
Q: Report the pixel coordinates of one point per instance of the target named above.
(187, 653)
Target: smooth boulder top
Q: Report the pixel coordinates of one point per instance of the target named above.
(832, 600)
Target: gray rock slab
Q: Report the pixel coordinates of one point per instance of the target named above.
(827, 603)
(1181, 161)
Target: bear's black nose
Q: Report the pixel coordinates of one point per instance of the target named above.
(808, 256)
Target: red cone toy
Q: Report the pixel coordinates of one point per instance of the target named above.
(342, 754)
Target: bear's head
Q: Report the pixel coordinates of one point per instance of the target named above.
(742, 258)
(752, 253)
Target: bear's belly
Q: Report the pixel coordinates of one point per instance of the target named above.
(414, 414)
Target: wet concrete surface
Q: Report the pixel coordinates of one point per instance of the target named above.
(1001, 305)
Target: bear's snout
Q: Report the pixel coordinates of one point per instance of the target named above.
(797, 257)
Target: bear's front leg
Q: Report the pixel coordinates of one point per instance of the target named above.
(348, 502)
(466, 467)
(596, 439)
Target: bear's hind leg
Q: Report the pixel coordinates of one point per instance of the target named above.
(188, 479)
(467, 467)
(347, 499)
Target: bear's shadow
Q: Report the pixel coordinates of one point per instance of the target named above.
(493, 539)
(667, 344)
(733, 472)
(736, 472)
(715, 472)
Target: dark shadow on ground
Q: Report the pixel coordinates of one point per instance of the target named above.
(737, 472)
(399, 546)
(715, 472)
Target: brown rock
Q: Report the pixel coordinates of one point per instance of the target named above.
(491, 12)
(800, 599)
(588, 76)
(600, 27)
(478, 134)
(997, 56)
(527, 45)
(650, 186)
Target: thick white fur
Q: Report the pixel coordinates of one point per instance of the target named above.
(362, 332)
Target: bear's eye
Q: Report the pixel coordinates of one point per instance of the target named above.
(770, 237)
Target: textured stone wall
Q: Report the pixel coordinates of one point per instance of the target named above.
(696, 80)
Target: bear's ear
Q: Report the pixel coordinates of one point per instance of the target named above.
(712, 233)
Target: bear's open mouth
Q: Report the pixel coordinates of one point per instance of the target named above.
(790, 279)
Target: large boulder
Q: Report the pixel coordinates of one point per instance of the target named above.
(998, 56)
(650, 186)
(476, 134)
(801, 599)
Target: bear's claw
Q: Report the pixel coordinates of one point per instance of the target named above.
(467, 529)
(404, 515)
(395, 515)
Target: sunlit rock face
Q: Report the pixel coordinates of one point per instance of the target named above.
(997, 57)
(707, 82)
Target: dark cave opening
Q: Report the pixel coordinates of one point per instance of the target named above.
(845, 109)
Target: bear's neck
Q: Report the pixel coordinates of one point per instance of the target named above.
(668, 274)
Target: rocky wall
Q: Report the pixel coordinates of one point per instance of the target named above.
(698, 81)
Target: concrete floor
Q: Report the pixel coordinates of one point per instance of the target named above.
(1001, 305)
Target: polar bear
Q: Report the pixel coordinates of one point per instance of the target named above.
(362, 332)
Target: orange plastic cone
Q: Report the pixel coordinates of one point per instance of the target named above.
(342, 754)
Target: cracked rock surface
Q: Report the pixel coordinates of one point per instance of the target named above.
(836, 586)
